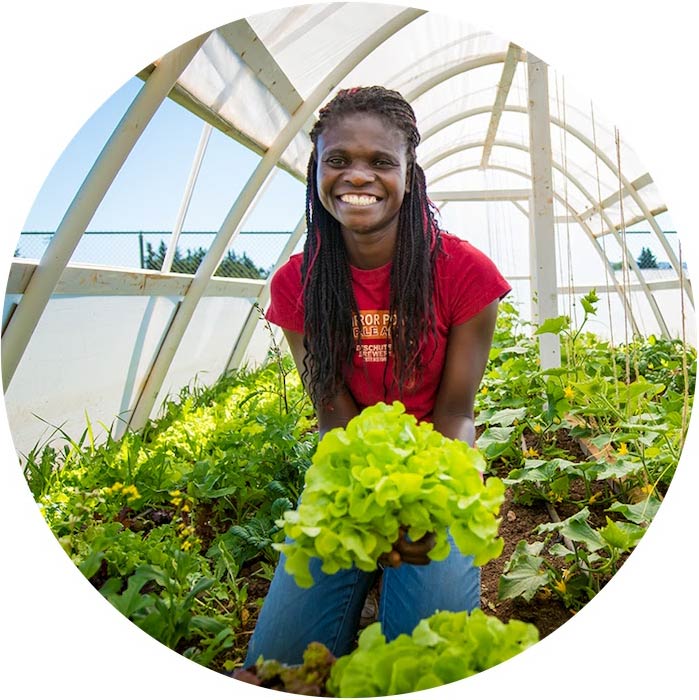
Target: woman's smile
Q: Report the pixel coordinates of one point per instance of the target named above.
(359, 200)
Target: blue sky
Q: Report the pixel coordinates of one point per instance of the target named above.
(147, 192)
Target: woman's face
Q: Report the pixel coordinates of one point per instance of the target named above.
(362, 174)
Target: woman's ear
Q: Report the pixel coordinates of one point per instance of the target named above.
(409, 176)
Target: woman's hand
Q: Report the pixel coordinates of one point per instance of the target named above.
(407, 552)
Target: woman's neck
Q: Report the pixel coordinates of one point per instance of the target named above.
(369, 251)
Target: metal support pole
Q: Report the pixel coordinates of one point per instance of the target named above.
(187, 197)
(83, 207)
(245, 201)
(541, 213)
(533, 284)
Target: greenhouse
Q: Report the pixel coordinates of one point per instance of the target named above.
(167, 438)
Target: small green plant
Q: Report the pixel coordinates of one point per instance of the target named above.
(307, 678)
(168, 610)
(549, 480)
(586, 558)
(163, 520)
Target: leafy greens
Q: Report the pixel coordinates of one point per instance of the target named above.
(383, 472)
(444, 648)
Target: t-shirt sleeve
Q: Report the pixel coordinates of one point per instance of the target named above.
(475, 282)
(286, 301)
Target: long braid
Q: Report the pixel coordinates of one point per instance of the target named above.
(328, 299)
(330, 305)
(412, 284)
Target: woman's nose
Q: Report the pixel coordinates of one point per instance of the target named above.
(359, 174)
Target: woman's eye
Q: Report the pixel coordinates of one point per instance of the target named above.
(335, 162)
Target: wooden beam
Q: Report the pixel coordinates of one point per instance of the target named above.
(654, 286)
(613, 198)
(100, 280)
(542, 235)
(243, 40)
(631, 222)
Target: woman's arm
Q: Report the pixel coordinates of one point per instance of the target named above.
(341, 409)
(468, 347)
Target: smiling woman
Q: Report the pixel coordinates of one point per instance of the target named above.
(382, 306)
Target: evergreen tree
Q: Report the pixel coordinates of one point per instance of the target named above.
(646, 260)
(231, 265)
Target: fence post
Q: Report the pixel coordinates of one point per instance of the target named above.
(140, 249)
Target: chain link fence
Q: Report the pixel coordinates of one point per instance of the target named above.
(253, 253)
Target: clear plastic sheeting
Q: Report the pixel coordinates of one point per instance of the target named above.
(451, 72)
(307, 41)
(219, 79)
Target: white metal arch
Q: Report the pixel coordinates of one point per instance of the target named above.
(247, 197)
(649, 296)
(241, 343)
(83, 207)
(626, 184)
(410, 68)
(451, 71)
(271, 75)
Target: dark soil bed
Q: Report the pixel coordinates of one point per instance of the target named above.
(519, 522)
(546, 613)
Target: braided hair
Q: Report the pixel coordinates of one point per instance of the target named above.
(332, 324)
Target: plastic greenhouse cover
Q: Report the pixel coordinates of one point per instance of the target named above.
(449, 70)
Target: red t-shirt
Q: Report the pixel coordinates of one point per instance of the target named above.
(466, 282)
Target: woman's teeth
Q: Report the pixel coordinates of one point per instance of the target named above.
(358, 200)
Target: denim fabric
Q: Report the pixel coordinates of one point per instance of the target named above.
(330, 611)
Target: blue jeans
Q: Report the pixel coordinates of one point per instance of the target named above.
(330, 611)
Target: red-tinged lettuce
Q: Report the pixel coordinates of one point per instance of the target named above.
(382, 472)
(444, 648)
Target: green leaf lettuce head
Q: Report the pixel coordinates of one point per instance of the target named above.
(382, 472)
(444, 648)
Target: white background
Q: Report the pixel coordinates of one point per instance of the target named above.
(62, 60)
